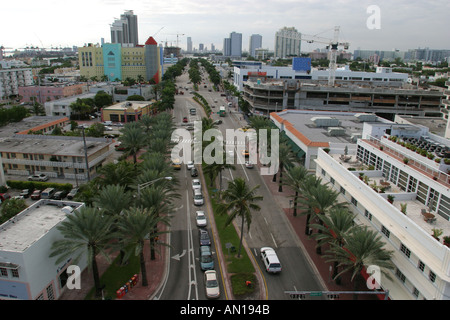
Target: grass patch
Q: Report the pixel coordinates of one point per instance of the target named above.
(238, 282)
(116, 276)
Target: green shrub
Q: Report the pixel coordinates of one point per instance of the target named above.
(16, 184)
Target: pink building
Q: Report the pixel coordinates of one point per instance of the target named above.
(49, 93)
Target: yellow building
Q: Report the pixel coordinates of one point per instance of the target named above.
(90, 59)
(127, 111)
(133, 63)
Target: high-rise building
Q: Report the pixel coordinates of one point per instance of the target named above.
(189, 44)
(227, 47)
(125, 29)
(287, 43)
(232, 46)
(255, 43)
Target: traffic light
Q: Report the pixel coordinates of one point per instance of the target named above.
(299, 296)
(332, 296)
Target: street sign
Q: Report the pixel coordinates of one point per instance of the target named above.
(316, 294)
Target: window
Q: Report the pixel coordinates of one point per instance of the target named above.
(368, 215)
(354, 202)
(385, 231)
(405, 250)
(432, 276)
(416, 292)
(421, 265)
(332, 181)
(342, 190)
(3, 272)
(50, 294)
(15, 273)
(400, 275)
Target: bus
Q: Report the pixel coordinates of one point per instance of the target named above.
(222, 111)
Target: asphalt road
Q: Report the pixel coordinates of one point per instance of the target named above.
(269, 226)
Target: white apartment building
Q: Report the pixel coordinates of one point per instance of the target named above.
(61, 107)
(421, 183)
(26, 270)
(12, 79)
(446, 109)
(287, 43)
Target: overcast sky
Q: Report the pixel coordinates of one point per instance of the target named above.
(403, 24)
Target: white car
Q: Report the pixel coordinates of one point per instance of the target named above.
(107, 128)
(211, 284)
(38, 177)
(196, 184)
(200, 218)
(248, 164)
(190, 165)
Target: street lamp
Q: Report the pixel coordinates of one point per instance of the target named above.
(149, 183)
(85, 153)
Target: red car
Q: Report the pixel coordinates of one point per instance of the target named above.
(36, 195)
(185, 119)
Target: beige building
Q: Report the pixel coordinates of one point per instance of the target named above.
(127, 111)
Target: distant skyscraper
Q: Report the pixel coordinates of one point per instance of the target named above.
(189, 44)
(125, 29)
(287, 43)
(236, 44)
(200, 47)
(227, 47)
(213, 48)
(255, 43)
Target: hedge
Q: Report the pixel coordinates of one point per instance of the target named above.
(16, 184)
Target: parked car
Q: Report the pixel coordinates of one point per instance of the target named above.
(248, 164)
(206, 258)
(190, 165)
(38, 177)
(200, 218)
(72, 193)
(185, 120)
(218, 122)
(196, 184)
(198, 197)
(194, 172)
(211, 284)
(26, 193)
(4, 196)
(204, 238)
(59, 195)
(36, 195)
(108, 128)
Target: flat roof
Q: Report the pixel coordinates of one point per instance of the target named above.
(127, 105)
(302, 121)
(54, 145)
(27, 227)
(27, 123)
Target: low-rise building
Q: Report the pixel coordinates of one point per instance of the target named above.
(46, 93)
(12, 79)
(26, 270)
(128, 111)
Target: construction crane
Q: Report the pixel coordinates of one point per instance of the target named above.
(333, 45)
(175, 34)
(157, 32)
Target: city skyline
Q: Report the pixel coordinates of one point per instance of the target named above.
(403, 24)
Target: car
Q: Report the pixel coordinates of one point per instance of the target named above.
(59, 195)
(176, 164)
(185, 120)
(200, 218)
(36, 195)
(26, 193)
(194, 172)
(204, 238)
(119, 147)
(38, 177)
(190, 128)
(18, 198)
(211, 284)
(196, 184)
(245, 153)
(4, 196)
(190, 165)
(198, 197)
(206, 259)
(72, 193)
(108, 128)
(248, 164)
(218, 122)
(270, 260)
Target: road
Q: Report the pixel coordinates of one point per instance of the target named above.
(269, 226)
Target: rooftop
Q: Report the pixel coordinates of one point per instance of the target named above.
(27, 124)
(21, 231)
(135, 105)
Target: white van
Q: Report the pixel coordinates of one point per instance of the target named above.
(198, 197)
(270, 260)
(48, 193)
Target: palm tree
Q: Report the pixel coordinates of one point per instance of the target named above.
(85, 232)
(337, 224)
(239, 201)
(321, 199)
(121, 173)
(133, 139)
(135, 226)
(160, 199)
(295, 179)
(363, 247)
(285, 158)
(215, 169)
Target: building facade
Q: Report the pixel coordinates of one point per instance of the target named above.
(255, 43)
(421, 204)
(287, 43)
(43, 94)
(125, 29)
(26, 270)
(446, 109)
(12, 79)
